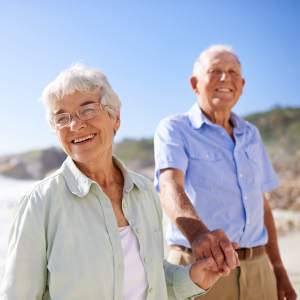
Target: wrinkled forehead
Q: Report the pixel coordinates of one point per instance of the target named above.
(215, 58)
(73, 101)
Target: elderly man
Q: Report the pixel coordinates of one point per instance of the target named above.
(212, 172)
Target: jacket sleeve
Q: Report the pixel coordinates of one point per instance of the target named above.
(178, 281)
(179, 284)
(25, 267)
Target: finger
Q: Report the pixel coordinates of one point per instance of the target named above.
(237, 260)
(207, 263)
(218, 256)
(281, 295)
(226, 270)
(291, 295)
(229, 253)
(235, 245)
(210, 262)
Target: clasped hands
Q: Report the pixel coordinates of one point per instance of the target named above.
(215, 257)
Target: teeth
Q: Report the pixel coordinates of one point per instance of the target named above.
(83, 138)
(225, 90)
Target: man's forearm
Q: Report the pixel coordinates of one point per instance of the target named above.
(272, 245)
(180, 210)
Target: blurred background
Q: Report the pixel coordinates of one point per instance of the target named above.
(147, 50)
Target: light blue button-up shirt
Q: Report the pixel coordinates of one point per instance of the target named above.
(224, 179)
(65, 242)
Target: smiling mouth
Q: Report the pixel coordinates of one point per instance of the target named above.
(223, 90)
(83, 139)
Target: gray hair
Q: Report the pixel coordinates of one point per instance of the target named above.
(214, 48)
(83, 79)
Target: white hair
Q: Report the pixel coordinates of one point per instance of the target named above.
(214, 48)
(83, 79)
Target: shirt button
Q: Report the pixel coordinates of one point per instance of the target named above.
(150, 290)
(246, 197)
(241, 175)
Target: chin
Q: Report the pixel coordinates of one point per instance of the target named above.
(223, 103)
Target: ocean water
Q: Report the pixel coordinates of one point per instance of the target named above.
(11, 191)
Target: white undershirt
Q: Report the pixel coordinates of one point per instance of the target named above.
(135, 279)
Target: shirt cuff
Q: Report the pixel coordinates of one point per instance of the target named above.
(269, 186)
(184, 287)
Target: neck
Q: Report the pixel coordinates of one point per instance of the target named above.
(219, 117)
(103, 171)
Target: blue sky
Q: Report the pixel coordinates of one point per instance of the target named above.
(147, 49)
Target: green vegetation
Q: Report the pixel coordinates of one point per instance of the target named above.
(139, 152)
(279, 128)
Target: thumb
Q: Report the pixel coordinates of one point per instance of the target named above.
(207, 263)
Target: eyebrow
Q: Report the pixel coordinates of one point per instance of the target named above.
(61, 111)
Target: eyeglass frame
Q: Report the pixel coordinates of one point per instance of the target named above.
(218, 73)
(54, 125)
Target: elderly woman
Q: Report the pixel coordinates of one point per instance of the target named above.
(92, 230)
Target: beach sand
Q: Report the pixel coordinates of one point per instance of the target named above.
(290, 251)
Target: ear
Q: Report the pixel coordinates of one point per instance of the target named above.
(117, 122)
(243, 85)
(244, 82)
(194, 83)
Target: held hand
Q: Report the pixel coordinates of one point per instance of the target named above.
(216, 244)
(284, 286)
(202, 273)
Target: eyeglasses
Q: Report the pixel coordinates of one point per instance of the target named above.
(218, 73)
(84, 113)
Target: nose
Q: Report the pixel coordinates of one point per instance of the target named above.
(76, 123)
(223, 76)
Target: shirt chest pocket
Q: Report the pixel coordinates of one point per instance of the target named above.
(206, 169)
(253, 170)
(252, 152)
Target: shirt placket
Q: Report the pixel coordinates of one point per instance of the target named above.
(113, 233)
(242, 181)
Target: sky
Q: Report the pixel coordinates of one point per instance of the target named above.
(147, 49)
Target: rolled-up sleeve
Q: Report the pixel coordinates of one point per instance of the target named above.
(179, 283)
(25, 268)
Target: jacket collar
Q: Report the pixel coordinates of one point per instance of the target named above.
(79, 184)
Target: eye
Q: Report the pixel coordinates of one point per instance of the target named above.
(61, 119)
(214, 72)
(233, 72)
(88, 111)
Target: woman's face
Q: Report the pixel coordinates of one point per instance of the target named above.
(85, 141)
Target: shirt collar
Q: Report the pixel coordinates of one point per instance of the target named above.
(238, 123)
(79, 184)
(198, 118)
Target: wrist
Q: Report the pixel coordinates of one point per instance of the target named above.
(197, 234)
(278, 265)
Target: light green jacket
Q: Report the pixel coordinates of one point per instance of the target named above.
(65, 245)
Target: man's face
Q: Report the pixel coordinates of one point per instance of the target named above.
(219, 83)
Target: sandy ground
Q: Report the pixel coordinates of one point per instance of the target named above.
(290, 252)
(11, 190)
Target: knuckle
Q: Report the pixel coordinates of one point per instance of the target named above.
(219, 232)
